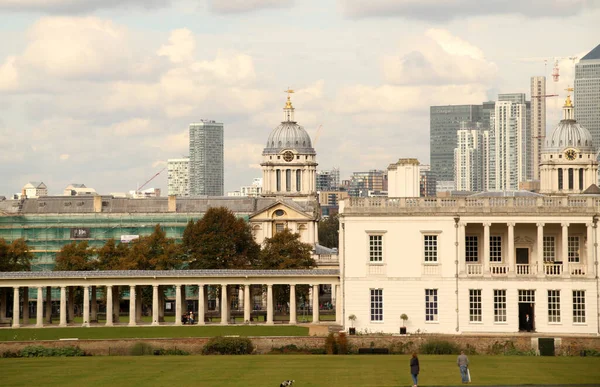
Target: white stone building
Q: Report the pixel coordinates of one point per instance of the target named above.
(476, 264)
(403, 179)
(179, 176)
(34, 189)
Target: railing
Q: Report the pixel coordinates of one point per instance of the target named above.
(525, 269)
(577, 270)
(474, 269)
(431, 269)
(498, 269)
(376, 269)
(553, 269)
(327, 259)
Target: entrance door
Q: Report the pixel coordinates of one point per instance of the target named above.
(527, 310)
(523, 256)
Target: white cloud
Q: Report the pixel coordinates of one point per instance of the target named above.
(441, 59)
(9, 77)
(75, 6)
(240, 6)
(443, 10)
(64, 157)
(181, 46)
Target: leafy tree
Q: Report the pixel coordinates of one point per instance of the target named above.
(153, 252)
(220, 240)
(328, 231)
(76, 256)
(111, 255)
(285, 251)
(15, 256)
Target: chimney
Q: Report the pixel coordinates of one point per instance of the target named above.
(98, 203)
(172, 207)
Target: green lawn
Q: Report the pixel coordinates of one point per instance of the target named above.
(307, 370)
(27, 334)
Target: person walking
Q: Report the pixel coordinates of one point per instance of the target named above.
(414, 368)
(527, 323)
(463, 364)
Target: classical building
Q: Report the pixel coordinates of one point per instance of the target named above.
(489, 262)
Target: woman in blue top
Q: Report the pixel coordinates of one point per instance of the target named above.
(414, 368)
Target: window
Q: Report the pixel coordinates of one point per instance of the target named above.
(375, 248)
(553, 306)
(430, 248)
(527, 296)
(279, 227)
(495, 248)
(471, 248)
(278, 174)
(560, 178)
(570, 178)
(431, 305)
(500, 305)
(298, 179)
(475, 305)
(573, 249)
(376, 304)
(288, 180)
(579, 306)
(549, 249)
(580, 177)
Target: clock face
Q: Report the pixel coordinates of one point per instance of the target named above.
(288, 156)
(570, 154)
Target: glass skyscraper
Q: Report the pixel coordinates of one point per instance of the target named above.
(587, 93)
(206, 159)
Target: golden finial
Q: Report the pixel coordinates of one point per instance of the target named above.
(288, 104)
(568, 102)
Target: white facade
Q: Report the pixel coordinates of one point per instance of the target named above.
(179, 176)
(78, 190)
(34, 189)
(478, 264)
(470, 167)
(403, 179)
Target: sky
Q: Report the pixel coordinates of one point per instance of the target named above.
(101, 92)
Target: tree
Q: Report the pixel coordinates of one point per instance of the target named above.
(76, 256)
(111, 255)
(285, 251)
(328, 231)
(15, 256)
(153, 252)
(220, 240)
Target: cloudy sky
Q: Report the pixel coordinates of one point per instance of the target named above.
(101, 92)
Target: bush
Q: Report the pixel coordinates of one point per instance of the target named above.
(331, 345)
(590, 352)
(141, 349)
(39, 351)
(9, 354)
(228, 346)
(438, 347)
(171, 352)
(342, 343)
(508, 348)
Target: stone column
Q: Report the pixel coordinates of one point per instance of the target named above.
(109, 306)
(589, 252)
(177, 304)
(565, 249)
(200, 304)
(315, 306)
(183, 299)
(247, 306)
(154, 304)
(270, 304)
(49, 304)
(462, 261)
(116, 305)
(338, 305)
(511, 249)
(2, 303)
(539, 264)
(39, 317)
(16, 304)
(63, 306)
(486, 249)
(94, 306)
(25, 305)
(132, 305)
(293, 317)
(86, 306)
(224, 305)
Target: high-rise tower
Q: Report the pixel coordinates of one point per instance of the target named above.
(206, 158)
(538, 122)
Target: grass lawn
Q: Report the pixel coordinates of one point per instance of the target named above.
(27, 334)
(307, 370)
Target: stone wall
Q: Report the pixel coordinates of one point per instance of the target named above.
(481, 344)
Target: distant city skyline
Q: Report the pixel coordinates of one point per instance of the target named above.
(110, 105)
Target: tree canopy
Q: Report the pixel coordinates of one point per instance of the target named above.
(15, 256)
(75, 256)
(220, 240)
(328, 231)
(153, 252)
(111, 255)
(285, 251)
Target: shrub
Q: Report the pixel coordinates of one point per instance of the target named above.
(438, 347)
(172, 352)
(508, 348)
(590, 352)
(228, 346)
(330, 345)
(141, 349)
(39, 351)
(342, 343)
(9, 354)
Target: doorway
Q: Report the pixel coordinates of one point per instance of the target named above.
(527, 310)
(523, 256)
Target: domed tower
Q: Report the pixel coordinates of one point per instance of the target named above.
(289, 160)
(569, 158)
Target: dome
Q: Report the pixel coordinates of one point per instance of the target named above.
(569, 133)
(289, 135)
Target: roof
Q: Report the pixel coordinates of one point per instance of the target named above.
(592, 190)
(594, 54)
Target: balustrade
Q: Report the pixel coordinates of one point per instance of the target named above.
(552, 269)
(498, 269)
(474, 269)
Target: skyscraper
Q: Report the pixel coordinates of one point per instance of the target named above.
(538, 122)
(206, 158)
(587, 93)
(470, 156)
(179, 176)
(444, 122)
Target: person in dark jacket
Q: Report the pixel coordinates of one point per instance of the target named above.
(414, 368)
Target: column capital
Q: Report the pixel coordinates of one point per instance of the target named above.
(270, 286)
(154, 286)
(487, 224)
(16, 287)
(178, 286)
(540, 224)
(510, 224)
(589, 224)
(565, 224)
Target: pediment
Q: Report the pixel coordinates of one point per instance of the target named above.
(280, 211)
(524, 239)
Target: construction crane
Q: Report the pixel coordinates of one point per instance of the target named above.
(556, 70)
(317, 135)
(149, 180)
(543, 96)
